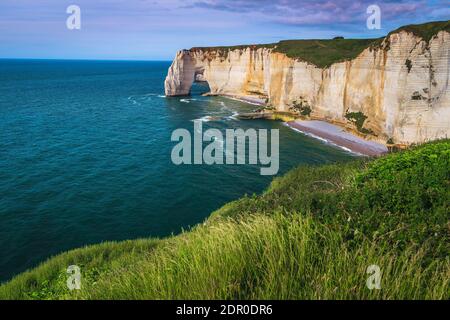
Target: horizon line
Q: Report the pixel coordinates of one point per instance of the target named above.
(85, 59)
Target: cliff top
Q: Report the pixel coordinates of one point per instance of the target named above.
(426, 30)
(324, 53)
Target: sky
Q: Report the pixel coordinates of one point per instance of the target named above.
(156, 29)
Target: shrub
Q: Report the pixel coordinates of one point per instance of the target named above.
(301, 107)
(404, 198)
(408, 64)
(358, 118)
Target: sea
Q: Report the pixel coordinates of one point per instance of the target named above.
(85, 157)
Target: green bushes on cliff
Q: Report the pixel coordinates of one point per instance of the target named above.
(325, 52)
(358, 119)
(301, 107)
(426, 30)
(311, 235)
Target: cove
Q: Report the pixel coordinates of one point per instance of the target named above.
(85, 157)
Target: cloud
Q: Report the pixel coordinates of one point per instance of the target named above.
(305, 12)
(157, 28)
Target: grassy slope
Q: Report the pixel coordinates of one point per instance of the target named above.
(323, 53)
(311, 235)
(426, 30)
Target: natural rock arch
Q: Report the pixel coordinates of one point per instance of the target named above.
(182, 75)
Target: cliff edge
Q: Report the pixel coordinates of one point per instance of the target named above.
(393, 89)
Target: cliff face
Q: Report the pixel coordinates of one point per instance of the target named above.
(401, 86)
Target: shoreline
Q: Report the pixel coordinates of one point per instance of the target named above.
(322, 130)
(245, 99)
(339, 137)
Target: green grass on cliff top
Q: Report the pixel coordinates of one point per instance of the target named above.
(311, 235)
(324, 53)
(321, 53)
(426, 30)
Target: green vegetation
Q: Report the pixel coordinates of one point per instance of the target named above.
(311, 235)
(324, 53)
(301, 107)
(408, 64)
(416, 96)
(222, 50)
(426, 30)
(265, 108)
(358, 118)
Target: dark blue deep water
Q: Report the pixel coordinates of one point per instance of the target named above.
(85, 157)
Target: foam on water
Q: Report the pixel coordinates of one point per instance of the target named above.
(326, 141)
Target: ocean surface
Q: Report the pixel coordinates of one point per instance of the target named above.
(85, 157)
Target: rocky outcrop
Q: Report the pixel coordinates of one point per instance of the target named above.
(400, 89)
(181, 75)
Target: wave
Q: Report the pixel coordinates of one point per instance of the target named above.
(138, 98)
(187, 100)
(233, 116)
(133, 100)
(224, 107)
(207, 119)
(312, 135)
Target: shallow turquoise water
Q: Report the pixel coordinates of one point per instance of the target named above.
(85, 157)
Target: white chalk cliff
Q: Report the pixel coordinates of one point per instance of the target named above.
(401, 86)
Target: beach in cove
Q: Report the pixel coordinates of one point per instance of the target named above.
(331, 133)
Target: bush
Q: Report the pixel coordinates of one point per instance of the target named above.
(301, 107)
(404, 198)
(408, 64)
(358, 118)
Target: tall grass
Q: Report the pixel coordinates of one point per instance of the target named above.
(278, 257)
(311, 235)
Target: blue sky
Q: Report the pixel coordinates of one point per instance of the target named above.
(156, 29)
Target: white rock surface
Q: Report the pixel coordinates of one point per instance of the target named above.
(409, 106)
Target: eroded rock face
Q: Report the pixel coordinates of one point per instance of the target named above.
(402, 87)
(181, 75)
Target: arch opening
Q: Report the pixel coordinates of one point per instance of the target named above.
(200, 85)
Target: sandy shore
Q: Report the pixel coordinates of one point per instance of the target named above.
(252, 100)
(339, 137)
(246, 99)
(325, 131)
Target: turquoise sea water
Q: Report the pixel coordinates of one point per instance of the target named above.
(85, 157)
